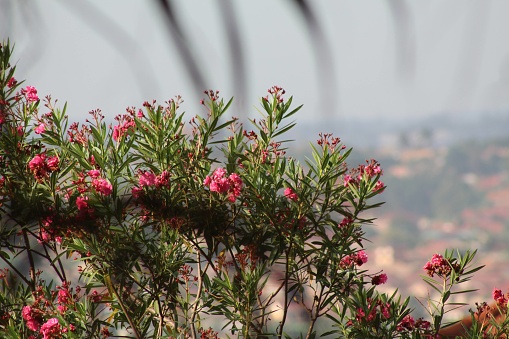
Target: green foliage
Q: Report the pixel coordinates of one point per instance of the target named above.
(145, 232)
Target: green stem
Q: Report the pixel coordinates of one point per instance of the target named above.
(30, 259)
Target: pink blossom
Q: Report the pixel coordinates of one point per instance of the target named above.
(136, 192)
(379, 279)
(124, 127)
(38, 166)
(81, 203)
(64, 296)
(53, 163)
(290, 194)
(345, 222)
(499, 297)
(30, 93)
(51, 329)
(116, 133)
(361, 257)
(40, 129)
(147, 179)
(358, 259)
(12, 82)
(163, 179)
(219, 183)
(37, 162)
(378, 186)
(94, 173)
(438, 265)
(102, 186)
(236, 186)
(346, 180)
(33, 324)
(386, 310)
(407, 323)
(28, 314)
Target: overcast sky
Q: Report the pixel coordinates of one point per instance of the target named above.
(390, 59)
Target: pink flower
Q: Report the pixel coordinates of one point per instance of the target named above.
(290, 194)
(438, 265)
(136, 192)
(116, 133)
(126, 125)
(94, 173)
(51, 329)
(81, 203)
(38, 166)
(28, 314)
(12, 82)
(147, 179)
(346, 180)
(37, 162)
(236, 186)
(362, 257)
(499, 297)
(358, 259)
(53, 163)
(378, 186)
(40, 129)
(102, 186)
(30, 93)
(407, 324)
(379, 279)
(33, 324)
(219, 183)
(163, 179)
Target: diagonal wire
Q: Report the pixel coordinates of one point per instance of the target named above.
(237, 58)
(405, 37)
(182, 45)
(323, 58)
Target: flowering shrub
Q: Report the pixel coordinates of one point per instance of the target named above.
(157, 228)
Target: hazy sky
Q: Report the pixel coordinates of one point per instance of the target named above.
(390, 58)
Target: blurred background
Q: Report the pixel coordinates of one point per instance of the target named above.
(420, 86)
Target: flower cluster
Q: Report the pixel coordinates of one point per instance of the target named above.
(440, 266)
(290, 194)
(365, 172)
(328, 141)
(379, 279)
(149, 179)
(41, 166)
(275, 92)
(409, 324)
(30, 93)
(380, 308)
(223, 184)
(40, 317)
(501, 298)
(125, 126)
(359, 258)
